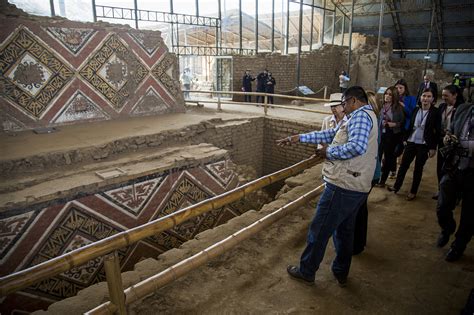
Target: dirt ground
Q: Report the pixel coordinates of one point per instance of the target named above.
(401, 270)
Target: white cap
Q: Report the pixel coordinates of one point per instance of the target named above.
(334, 100)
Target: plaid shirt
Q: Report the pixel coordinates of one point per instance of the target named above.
(358, 128)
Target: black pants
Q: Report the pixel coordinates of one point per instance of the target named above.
(248, 98)
(452, 185)
(361, 222)
(260, 99)
(439, 163)
(388, 143)
(270, 100)
(412, 151)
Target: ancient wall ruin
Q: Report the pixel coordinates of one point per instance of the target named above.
(364, 60)
(318, 68)
(54, 71)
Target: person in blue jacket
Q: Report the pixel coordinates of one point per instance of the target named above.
(408, 103)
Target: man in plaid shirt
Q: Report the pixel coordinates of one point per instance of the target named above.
(349, 166)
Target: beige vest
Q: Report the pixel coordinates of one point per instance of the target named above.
(353, 174)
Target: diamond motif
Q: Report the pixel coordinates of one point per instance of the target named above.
(150, 103)
(74, 39)
(76, 229)
(134, 197)
(149, 41)
(31, 75)
(221, 171)
(80, 107)
(11, 230)
(114, 71)
(163, 71)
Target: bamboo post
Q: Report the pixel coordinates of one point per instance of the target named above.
(114, 282)
(219, 108)
(152, 284)
(265, 104)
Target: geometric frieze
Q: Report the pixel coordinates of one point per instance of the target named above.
(164, 71)
(150, 103)
(11, 229)
(76, 229)
(133, 198)
(114, 71)
(31, 75)
(80, 107)
(95, 217)
(148, 41)
(221, 171)
(74, 39)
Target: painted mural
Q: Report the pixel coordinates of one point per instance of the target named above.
(28, 237)
(68, 72)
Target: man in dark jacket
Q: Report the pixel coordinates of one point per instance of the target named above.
(270, 87)
(261, 83)
(458, 181)
(427, 84)
(247, 85)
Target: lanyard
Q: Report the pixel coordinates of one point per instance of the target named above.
(423, 116)
(385, 111)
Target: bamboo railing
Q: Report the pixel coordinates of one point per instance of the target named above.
(265, 104)
(24, 278)
(152, 284)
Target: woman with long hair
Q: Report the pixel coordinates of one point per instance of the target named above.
(392, 120)
(421, 142)
(452, 98)
(408, 103)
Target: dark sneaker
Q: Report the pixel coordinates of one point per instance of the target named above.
(435, 196)
(295, 273)
(341, 280)
(453, 255)
(443, 239)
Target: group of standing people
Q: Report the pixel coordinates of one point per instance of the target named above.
(357, 138)
(265, 84)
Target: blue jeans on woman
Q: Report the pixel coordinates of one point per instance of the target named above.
(335, 215)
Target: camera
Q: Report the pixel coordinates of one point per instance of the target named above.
(452, 152)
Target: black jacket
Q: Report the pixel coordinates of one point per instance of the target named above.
(432, 127)
(247, 82)
(261, 81)
(270, 85)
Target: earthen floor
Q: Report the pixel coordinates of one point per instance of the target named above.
(27, 143)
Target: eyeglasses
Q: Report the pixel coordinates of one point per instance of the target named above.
(343, 103)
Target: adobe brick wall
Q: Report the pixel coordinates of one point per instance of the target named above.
(275, 157)
(54, 71)
(318, 68)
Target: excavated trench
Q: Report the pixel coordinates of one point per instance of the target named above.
(59, 200)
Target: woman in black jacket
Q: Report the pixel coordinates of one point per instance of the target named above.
(452, 99)
(421, 142)
(391, 130)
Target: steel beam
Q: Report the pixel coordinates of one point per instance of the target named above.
(379, 41)
(396, 23)
(350, 40)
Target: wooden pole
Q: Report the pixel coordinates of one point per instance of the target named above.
(24, 278)
(265, 104)
(152, 284)
(114, 282)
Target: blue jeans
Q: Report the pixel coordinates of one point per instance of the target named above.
(335, 215)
